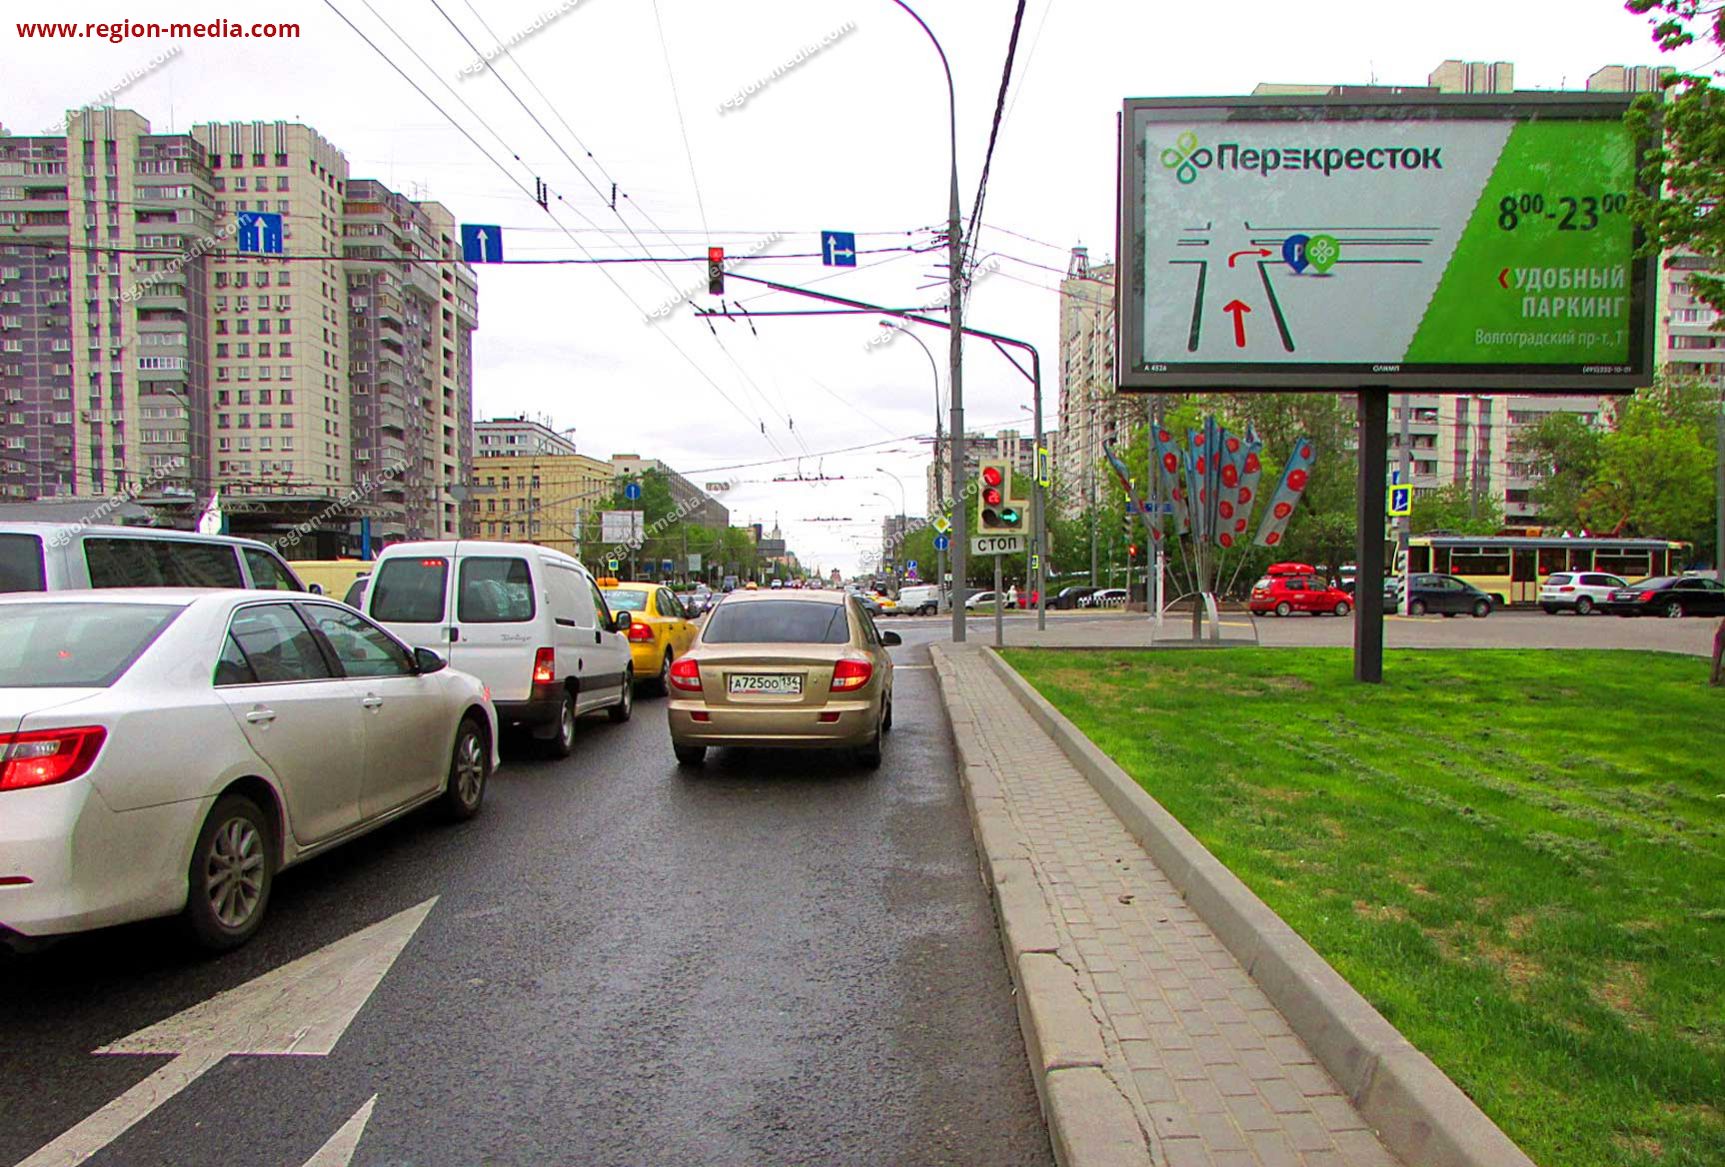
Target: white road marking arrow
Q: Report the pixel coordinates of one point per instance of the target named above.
(339, 1151)
(301, 1008)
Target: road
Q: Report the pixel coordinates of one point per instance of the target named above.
(784, 959)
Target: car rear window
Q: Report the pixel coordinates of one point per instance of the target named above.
(495, 590)
(1263, 584)
(81, 646)
(1558, 578)
(160, 563)
(777, 622)
(410, 590)
(21, 564)
(625, 600)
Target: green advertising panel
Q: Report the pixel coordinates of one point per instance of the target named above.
(1413, 242)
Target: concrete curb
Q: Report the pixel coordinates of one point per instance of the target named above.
(1421, 1116)
(1090, 1123)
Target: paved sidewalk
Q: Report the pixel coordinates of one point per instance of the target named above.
(1206, 1064)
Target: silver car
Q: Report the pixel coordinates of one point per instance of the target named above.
(168, 751)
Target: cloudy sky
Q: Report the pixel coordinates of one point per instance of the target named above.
(644, 93)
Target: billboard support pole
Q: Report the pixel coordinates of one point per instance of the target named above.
(1373, 413)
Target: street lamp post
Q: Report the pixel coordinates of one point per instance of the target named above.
(903, 517)
(955, 311)
(939, 500)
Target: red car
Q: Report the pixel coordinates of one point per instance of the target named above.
(1296, 587)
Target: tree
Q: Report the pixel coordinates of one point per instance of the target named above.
(1686, 173)
(1655, 472)
(1572, 449)
(1454, 509)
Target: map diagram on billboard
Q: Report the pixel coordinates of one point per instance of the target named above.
(1322, 244)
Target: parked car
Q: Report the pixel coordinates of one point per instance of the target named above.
(1284, 594)
(919, 600)
(660, 630)
(1105, 598)
(981, 600)
(1577, 591)
(1068, 598)
(1670, 596)
(805, 670)
(53, 557)
(1446, 595)
(526, 620)
(168, 751)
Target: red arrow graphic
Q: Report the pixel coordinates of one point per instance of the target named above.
(1239, 310)
(1262, 252)
(1503, 278)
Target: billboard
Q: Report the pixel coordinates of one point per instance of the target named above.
(1415, 242)
(621, 528)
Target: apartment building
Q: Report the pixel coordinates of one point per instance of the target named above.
(552, 499)
(141, 353)
(1091, 411)
(1003, 446)
(515, 436)
(104, 355)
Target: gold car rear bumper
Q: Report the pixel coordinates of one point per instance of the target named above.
(780, 726)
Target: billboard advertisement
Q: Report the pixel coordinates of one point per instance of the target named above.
(1420, 241)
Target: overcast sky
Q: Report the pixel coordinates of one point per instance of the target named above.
(853, 138)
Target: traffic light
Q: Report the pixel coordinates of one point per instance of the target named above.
(716, 271)
(1001, 512)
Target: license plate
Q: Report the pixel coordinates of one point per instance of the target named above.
(778, 684)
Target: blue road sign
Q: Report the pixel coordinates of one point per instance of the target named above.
(911, 566)
(481, 243)
(668, 565)
(942, 542)
(632, 491)
(1151, 508)
(839, 248)
(1401, 501)
(260, 232)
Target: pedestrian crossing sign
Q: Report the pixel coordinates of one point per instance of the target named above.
(1401, 501)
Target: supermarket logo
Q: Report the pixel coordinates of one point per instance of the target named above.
(1179, 156)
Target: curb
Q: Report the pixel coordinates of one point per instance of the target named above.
(1421, 1116)
(1090, 1122)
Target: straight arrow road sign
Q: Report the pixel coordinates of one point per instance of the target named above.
(481, 243)
(839, 248)
(301, 1008)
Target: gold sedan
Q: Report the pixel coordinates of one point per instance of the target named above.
(790, 669)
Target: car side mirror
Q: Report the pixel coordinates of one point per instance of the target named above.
(426, 660)
(621, 621)
(891, 638)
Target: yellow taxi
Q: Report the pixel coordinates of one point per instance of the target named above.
(660, 629)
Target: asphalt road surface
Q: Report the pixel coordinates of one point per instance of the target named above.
(784, 959)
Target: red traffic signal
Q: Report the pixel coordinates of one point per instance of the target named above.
(1132, 551)
(991, 496)
(716, 271)
(991, 476)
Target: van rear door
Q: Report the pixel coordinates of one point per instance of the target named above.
(499, 622)
(410, 596)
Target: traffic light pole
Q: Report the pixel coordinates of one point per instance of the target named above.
(999, 603)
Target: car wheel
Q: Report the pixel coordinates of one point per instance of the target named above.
(1417, 608)
(1672, 610)
(562, 742)
(1583, 606)
(663, 685)
(869, 756)
(232, 871)
(1481, 609)
(690, 756)
(1342, 608)
(469, 767)
(625, 707)
(886, 722)
(1284, 608)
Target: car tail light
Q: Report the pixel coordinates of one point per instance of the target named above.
(851, 674)
(1566, 588)
(686, 675)
(1647, 597)
(640, 633)
(44, 757)
(545, 666)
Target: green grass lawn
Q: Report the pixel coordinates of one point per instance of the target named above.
(1517, 856)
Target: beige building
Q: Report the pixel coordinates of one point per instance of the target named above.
(1092, 412)
(546, 498)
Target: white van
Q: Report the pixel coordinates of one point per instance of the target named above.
(919, 600)
(54, 557)
(527, 620)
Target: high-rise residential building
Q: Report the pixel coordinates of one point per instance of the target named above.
(141, 352)
(508, 437)
(540, 498)
(412, 309)
(1473, 77)
(104, 357)
(692, 503)
(1003, 446)
(1092, 411)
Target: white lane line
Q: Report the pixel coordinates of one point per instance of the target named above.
(301, 1008)
(339, 1151)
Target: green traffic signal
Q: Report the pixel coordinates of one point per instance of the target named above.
(1010, 517)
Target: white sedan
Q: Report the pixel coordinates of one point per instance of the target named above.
(168, 751)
